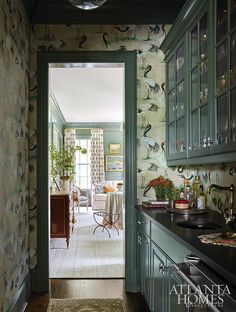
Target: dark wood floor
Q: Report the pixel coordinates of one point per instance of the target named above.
(81, 289)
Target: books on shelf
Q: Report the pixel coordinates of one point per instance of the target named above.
(155, 203)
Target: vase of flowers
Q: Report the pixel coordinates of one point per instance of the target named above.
(164, 188)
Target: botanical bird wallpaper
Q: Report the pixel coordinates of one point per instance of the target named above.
(145, 40)
(18, 130)
(14, 112)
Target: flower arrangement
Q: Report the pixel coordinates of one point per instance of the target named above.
(164, 188)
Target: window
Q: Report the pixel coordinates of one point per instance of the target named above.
(83, 165)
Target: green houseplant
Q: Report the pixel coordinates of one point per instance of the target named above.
(63, 161)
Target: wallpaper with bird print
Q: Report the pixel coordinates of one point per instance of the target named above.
(18, 129)
(14, 111)
(145, 40)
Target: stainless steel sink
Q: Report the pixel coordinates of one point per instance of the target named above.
(201, 225)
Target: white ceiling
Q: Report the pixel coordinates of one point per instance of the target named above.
(88, 93)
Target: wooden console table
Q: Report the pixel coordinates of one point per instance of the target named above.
(60, 216)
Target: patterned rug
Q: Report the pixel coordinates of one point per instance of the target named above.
(85, 305)
(89, 255)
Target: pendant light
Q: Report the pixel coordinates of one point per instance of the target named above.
(87, 4)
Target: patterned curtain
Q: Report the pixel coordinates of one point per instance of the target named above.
(97, 156)
(69, 137)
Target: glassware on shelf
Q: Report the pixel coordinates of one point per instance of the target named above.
(233, 116)
(171, 138)
(171, 73)
(194, 46)
(222, 120)
(221, 67)
(203, 37)
(195, 130)
(222, 82)
(194, 88)
(180, 63)
(204, 122)
(233, 59)
(180, 135)
(221, 19)
(180, 100)
(232, 13)
(172, 105)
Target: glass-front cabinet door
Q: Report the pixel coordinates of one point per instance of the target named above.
(199, 78)
(200, 55)
(225, 84)
(176, 119)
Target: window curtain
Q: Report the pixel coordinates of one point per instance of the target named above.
(97, 156)
(70, 137)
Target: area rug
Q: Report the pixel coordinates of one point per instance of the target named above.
(88, 305)
(89, 255)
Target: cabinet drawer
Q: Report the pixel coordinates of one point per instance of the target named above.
(169, 245)
(143, 223)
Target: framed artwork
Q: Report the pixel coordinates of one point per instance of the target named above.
(114, 148)
(114, 163)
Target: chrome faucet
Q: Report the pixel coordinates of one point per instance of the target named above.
(230, 216)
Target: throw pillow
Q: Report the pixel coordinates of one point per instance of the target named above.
(99, 188)
(109, 188)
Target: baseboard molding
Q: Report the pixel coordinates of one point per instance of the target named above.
(21, 298)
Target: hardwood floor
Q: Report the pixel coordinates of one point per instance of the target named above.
(78, 289)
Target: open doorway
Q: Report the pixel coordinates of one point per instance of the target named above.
(40, 275)
(86, 109)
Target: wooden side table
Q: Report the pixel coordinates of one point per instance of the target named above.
(60, 216)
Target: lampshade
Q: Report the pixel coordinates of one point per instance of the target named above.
(87, 4)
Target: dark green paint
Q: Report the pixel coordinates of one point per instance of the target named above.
(155, 249)
(40, 275)
(189, 17)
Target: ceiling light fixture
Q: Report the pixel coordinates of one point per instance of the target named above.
(87, 4)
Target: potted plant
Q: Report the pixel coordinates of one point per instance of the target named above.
(63, 162)
(164, 188)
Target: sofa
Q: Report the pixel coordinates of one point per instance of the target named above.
(99, 195)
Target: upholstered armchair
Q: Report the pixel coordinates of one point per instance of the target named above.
(79, 197)
(99, 194)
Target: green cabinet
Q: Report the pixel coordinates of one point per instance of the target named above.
(156, 253)
(143, 255)
(176, 110)
(174, 280)
(158, 279)
(200, 55)
(145, 266)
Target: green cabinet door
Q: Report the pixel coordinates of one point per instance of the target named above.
(145, 266)
(198, 74)
(158, 279)
(224, 139)
(176, 99)
(200, 55)
(174, 302)
(138, 260)
(143, 255)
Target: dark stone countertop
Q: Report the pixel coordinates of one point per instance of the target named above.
(220, 259)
